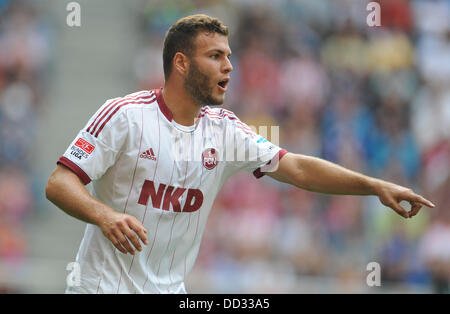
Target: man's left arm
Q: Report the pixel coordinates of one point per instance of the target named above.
(318, 175)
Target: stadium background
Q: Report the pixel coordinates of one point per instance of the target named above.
(374, 99)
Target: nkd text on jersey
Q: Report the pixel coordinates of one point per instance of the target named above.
(171, 194)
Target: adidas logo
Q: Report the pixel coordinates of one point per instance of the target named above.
(149, 154)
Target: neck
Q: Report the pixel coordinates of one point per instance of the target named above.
(183, 108)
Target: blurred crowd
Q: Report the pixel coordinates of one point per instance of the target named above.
(24, 55)
(373, 99)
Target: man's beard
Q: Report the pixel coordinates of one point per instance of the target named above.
(198, 87)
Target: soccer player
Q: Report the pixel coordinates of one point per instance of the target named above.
(157, 160)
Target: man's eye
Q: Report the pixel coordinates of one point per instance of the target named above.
(215, 56)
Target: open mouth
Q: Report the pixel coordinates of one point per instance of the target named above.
(223, 84)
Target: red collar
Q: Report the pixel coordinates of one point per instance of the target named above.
(162, 104)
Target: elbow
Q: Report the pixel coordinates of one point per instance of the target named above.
(292, 171)
(50, 189)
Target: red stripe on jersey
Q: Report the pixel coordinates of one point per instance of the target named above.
(151, 249)
(223, 115)
(154, 175)
(109, 107)
(167, 247)
(117, 109)
(243, 125)
(208, 110)
(230, 117)
(75, 169)
(115, 101)
(98, 287)
(184, 182)
(115, 104)
(227, 111)
(210, 115)
(239, 124)
(233, 117)
(204, 109)
(221, 110)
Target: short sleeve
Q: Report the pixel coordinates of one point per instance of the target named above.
(96, 147)
(251, 152)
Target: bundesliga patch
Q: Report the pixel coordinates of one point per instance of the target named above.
(81, 149)
(85, 145)
(78, 152)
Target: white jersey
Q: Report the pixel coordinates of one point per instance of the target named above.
(143, 163)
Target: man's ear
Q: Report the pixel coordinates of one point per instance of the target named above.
(181, 63)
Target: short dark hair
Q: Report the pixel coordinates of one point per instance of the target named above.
(180, 36)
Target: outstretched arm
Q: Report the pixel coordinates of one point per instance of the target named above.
(65, 190)
(318, 175)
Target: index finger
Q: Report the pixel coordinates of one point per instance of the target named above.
(422, 200)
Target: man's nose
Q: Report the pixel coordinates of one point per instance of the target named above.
(228, 67)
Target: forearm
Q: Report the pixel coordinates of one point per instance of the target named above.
(67, 192)
(318, 175)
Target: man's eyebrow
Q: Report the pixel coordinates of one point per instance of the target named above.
(219, 51)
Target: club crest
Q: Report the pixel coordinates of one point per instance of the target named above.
(209, 158)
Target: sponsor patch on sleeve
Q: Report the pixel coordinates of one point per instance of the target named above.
(85, 145)
(82, 149)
